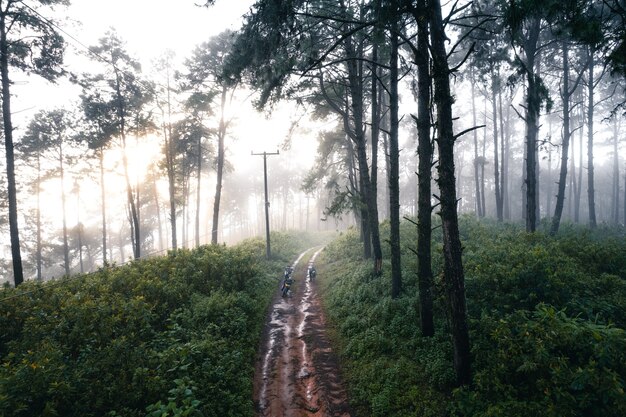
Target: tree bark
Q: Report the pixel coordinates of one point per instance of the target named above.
(579, 185)
(157, 205)
(375, 132)
(565, 95)
(66, 248)
(453, 264)
(505, 151)
(425, 156)
(478, 201)
(496, 162)
(134, 216)
(394, 165)
(533, 103)
(220, 169)
(483, 161)
(590, 169)
(355, 81)
(18, 272)
(615, 203)
(549, 174)
(186, 180)
(39, 246)
(170, 164)
(104, 204)
(198, 190)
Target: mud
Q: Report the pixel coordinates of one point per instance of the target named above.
(297, 373)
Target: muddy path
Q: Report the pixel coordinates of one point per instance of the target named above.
(297, 372)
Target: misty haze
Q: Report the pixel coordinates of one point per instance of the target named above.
(313, 208)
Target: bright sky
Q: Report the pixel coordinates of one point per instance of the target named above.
(152, 26)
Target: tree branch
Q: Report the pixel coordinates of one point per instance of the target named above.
(471, 129)
(334, 45)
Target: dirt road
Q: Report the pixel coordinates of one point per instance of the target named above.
(296, 371)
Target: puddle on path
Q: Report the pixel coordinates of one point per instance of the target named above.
(297, 373)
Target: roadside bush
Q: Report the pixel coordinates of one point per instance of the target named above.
(547, 363)
(169, 336)
(546, 315)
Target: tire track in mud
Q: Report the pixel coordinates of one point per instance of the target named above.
(297, 372)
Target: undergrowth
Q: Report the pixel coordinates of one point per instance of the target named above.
(547, 318)
(167, 336)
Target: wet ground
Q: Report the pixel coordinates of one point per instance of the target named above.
(297, 372)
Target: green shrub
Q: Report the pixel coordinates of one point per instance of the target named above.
(546, 362)
(168, 336)
(546, 319)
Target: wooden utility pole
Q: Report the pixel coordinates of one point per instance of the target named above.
(267, 202)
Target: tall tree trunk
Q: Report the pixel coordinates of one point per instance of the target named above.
(590, 169)
(198, 191)
(18, 272)
(172, 191)
(90, 257)
(355, 81)
(533, 104)
(220, 169)
(394, 165)
(66, 248)
(39, 248)
(537, 164)
(134, 216)
(137, 189)
(576, 174)
(104, 205)
(505, 146)
(549, 175)
(478, 202)
(375, 132)
(425, 156)
(285, 196)
(579, 185)
(185, 202)
(615, 202)
(121, 243)
(453, 264)
(308, 211)
(565, 95)
(170, 165)
(354, 184)
(496, 162)
(384, 122)
(157, 204)
(79, 229)
(483, 162)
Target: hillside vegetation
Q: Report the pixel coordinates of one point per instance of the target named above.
(547, 319)
(167, 336)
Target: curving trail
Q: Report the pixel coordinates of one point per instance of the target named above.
(297, 372)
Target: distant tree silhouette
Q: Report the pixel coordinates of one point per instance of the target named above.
(39, 53)
(121, 106)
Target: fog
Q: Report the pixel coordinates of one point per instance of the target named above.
(305, 178)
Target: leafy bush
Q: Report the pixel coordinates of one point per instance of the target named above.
(168, 336)
(548, 363)
(547, 318)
